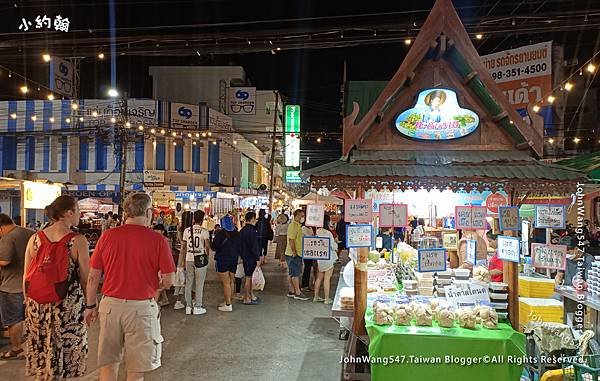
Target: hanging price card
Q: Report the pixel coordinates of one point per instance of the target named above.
(509, 218)
(359, 235)
(393, 215)
(431, 260)
(508, 248)
(318, 248)
(359, 211)
(549, 256)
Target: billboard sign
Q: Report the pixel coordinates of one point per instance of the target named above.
(292, 138)
(185, 116)
(242, 101)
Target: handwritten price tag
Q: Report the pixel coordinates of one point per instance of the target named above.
(549, 256)
(471, 217)
(550, 216)
(508, 248)
(359, 211)
(431, 260)
(509, 218)
(315, 215)
(318, 248)
(393, 215)
(471, 251)
(359, 235)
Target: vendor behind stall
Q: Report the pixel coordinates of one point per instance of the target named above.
(495, 265)
(574, 255)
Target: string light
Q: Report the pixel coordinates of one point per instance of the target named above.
(551, 141)
(194, 142)
(536, 108)
(174, 143)
(576, 140)
(127, 124)
(318, 140)
(74, 106)
(214, 143)
(24, 89)
(81, 119)
(591, 68)
(551, 99)
(197, 134)
(50, 97)
(51, 119)
(234, 142)
(204, 134)
(113, 120)
(408, 41)
(34, 118)
(94, 114)
(162, 132)
(255, 141)
(174, 134)
(101, 56)
(569, 86)
(153, 131)
(68, 120)
(209, 133)
(13, 115)
(479, 36)
(46, 57)
(141, 128)
(189, 134)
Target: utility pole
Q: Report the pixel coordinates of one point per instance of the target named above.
(273, 138)
(124, 131)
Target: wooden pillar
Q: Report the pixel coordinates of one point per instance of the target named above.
(360, 284)
(511, 278)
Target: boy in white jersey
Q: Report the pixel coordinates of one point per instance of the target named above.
(194, 252)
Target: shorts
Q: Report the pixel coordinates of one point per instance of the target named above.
(12, 309)
(226, 264)
(294, 265)
(249, 266)
(133, 326)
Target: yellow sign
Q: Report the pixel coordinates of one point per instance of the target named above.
(39, 195)
(162, 198)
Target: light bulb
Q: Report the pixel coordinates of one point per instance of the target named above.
(174, 133)
(591, 68)
(235, 142)
(551, 141)
(152, 131)
(408, 41)
(551, 98)
(536, 108)
(479, 36)
(46, 57)
(576, 140)
(50, 97)
(13, 115)
(68, 120)
(162, 132)
(74, 106)
(51, 119)
(141, 128)
(569, 86)
(94, 114)
(127, 124)
(113, 120)
(24, 89)
(34, 118)
(101, 56)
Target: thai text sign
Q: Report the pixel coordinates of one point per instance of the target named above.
(316, 248)
(550, 216)
(471, 217)
(431, 260)
(292, 136)
(393, 215)
(508, 248)
(549, 256)
(315, 215)
(471, 293)
(359, 235)
(360, 211)
(509, 218)
(437, 116)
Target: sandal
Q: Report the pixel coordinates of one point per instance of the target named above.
(13, 355)
(251, 303)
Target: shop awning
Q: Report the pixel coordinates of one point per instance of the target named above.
(588, 163)
(314, 198)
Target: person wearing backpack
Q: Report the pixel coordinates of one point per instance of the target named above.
(227, 246)
(194, 251)
(56, 272)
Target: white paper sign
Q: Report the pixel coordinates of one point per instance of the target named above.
(525, 238)
(359, 211)
(379, 242)
(431, 260)
(471, 251)
(549, 256)
(470, 293)
(471, 217)
(39, 195)
(393, 215)
(550, 216)
(508, 248)
(315, 215)
(318, 248)
(359, 235)
(153, 178)
(509, 218)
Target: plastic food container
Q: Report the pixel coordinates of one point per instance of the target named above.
(500, 306)
(444, 274)
(498, 286)
(409, 284)
(502, 315)
(498, 296)
(462, 273)
(427, 291)
(412, 292)
(444, 281)
(426, 282)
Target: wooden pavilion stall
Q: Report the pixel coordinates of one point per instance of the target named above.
(501, 153)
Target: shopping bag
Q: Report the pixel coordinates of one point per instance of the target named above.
(239, 271)
(179, 280)
(258, 280)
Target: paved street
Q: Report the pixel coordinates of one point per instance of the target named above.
(280, 339)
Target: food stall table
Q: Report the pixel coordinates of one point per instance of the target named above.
(590, 301)
(426, 343)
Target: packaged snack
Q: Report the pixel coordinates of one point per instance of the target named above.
(445, 318)
(488, 317)
(383, 313)
(402, 315)
(466, 318)
(423, 315)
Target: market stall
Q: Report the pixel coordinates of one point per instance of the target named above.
(27, 199)
(444, 141)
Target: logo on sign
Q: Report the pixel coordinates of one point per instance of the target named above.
(63, 69)
(185, 112)
(242, 95)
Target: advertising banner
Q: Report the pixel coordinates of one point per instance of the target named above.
(62, 77)
(222, 124)
(185, 116)
(242, 101)
(99, 112)
(292, 138)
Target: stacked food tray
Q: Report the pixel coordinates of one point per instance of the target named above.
(530, 287)
(498, 292)
(594, 278)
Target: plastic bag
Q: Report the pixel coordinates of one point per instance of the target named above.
(258, 280)
(239, 271)
(179, 280)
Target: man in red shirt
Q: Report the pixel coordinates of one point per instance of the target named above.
(495, 265)
(137, 264)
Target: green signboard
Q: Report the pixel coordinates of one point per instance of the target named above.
(293, 177)
(292, 136)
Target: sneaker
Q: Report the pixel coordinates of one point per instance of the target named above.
(188, 310)
(301, 297)
(226, 308)
(199, 311)
(178, 305)
(328, 301)
(317, 299)
(291, 294)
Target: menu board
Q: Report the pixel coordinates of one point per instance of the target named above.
(549, 256)
(431, 260)
(393, 215)
(509, 218)
(318, 248)
(359, 235)
(550, 216)
(508, 248)
(471, 217)
(472, 251)
(359, 211)
(315, 215)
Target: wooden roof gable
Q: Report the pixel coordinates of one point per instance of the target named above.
(443, 40)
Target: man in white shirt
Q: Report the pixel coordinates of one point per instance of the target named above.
(194, 247)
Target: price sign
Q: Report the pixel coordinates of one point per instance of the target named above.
(525, 238)
(393, 215)
(318, 248)
(359, 211)
(359, 235)
(470, 293)
(379, 243)
(509, 218)
(550, 216)
(431, 260)
(549, 256)
(471, 251)
(508, 248)
(471, 217)
(315, 215)
(450, 240)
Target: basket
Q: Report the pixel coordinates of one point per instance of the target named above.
(581, 368)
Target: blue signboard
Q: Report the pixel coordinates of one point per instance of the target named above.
(437, 116)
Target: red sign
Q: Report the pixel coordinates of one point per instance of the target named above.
(494, 200)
